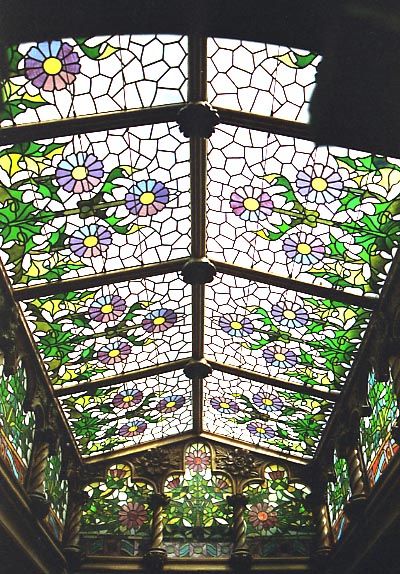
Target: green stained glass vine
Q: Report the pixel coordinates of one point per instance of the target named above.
(56, 489)
(338, 494)
(377, 444)
(16, 426)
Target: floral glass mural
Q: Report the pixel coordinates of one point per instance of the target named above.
(56, 490)
(338, 494)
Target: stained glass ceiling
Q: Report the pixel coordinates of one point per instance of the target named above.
(103, 201)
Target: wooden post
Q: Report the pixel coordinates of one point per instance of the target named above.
(156, 556)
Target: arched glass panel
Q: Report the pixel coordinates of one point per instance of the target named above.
(56, 490)
(377, 444)
(198, 515)
(277, 521)
(16, 426)
(338, 495)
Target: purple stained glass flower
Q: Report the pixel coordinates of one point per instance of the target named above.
(79, 172)
(90, 240)
(107, 308)
(159, 320)
(260, 429)
(251, 203)
(304, 248)
(133, 428)
(278, 356)
(114, 352)
(236, 326)
(170, 404)
(147, 197)
(319, 184)
(224, 405)
(52, 65)
(267, 401)
(289, 314)
(127, 398)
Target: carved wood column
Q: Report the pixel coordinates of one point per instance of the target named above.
(43, 444)
(348, 447)
(72, 528)
(156, 556)
(317, 503)
(241, 557)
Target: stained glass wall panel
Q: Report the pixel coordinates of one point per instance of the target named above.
(56, 490)
(127, 414)
(377, 443)
(16, 426)
(279, 420)
(90, 334)
(338, 494)
(261, 78)
(300, 338)
(281, 205)
(91, 203)
(83, 76)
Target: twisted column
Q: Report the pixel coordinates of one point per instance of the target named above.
(37, 471)
(349, 449)
(316, 502)
(156, 555)
(72, 527)
(240, 558)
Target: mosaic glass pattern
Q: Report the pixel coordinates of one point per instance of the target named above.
(198, 510)
(377, 443)
(284, 334)
(123, 415)
(83, 76)
(91, 334)
(323, 216)
(16, 426)
(56, 490)
(279, 420)
(338, 494)
(261, 78)
(118, 506)
(96, 202)
(276, 509)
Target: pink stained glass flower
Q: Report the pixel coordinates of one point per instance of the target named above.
(159, 320)
(90, 240)
(147, 197)
(114, 352)
(127, 398)
(107, 308)
(132, 515)
(262, 516)
(79, 172)
(251, 203)
(224, 405)
(134, 428)
(197, 460)
(170, 404)
(52, 65)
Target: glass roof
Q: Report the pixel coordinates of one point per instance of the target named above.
(103, 201)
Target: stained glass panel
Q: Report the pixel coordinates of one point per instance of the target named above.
(283, 206)
(300, 338)
(91, 334)
(276, 510)
(377, 443)
(198, 511)
(118, 506)
(120, 416)
(96, 202)
(338, 494)
(16, 425)
(279, 420)
(261, 78)
(56, 490)
(83, 76)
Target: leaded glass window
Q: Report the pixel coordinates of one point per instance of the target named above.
(56, 489)
(338, 494)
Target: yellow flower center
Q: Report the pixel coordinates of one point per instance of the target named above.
(127, 399)
(304, 248)
(224, 405)
(170, 404)
(79, 172)
(288, 314)
(90, 241)
(107, 308)
(260, 430)
(113, 353)
(267, 401)
(147, 198)
(319, 184)
(52, 66)
(251, 204)
(280, 356)
(236, 325)
(133, 428)
(159, 320)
